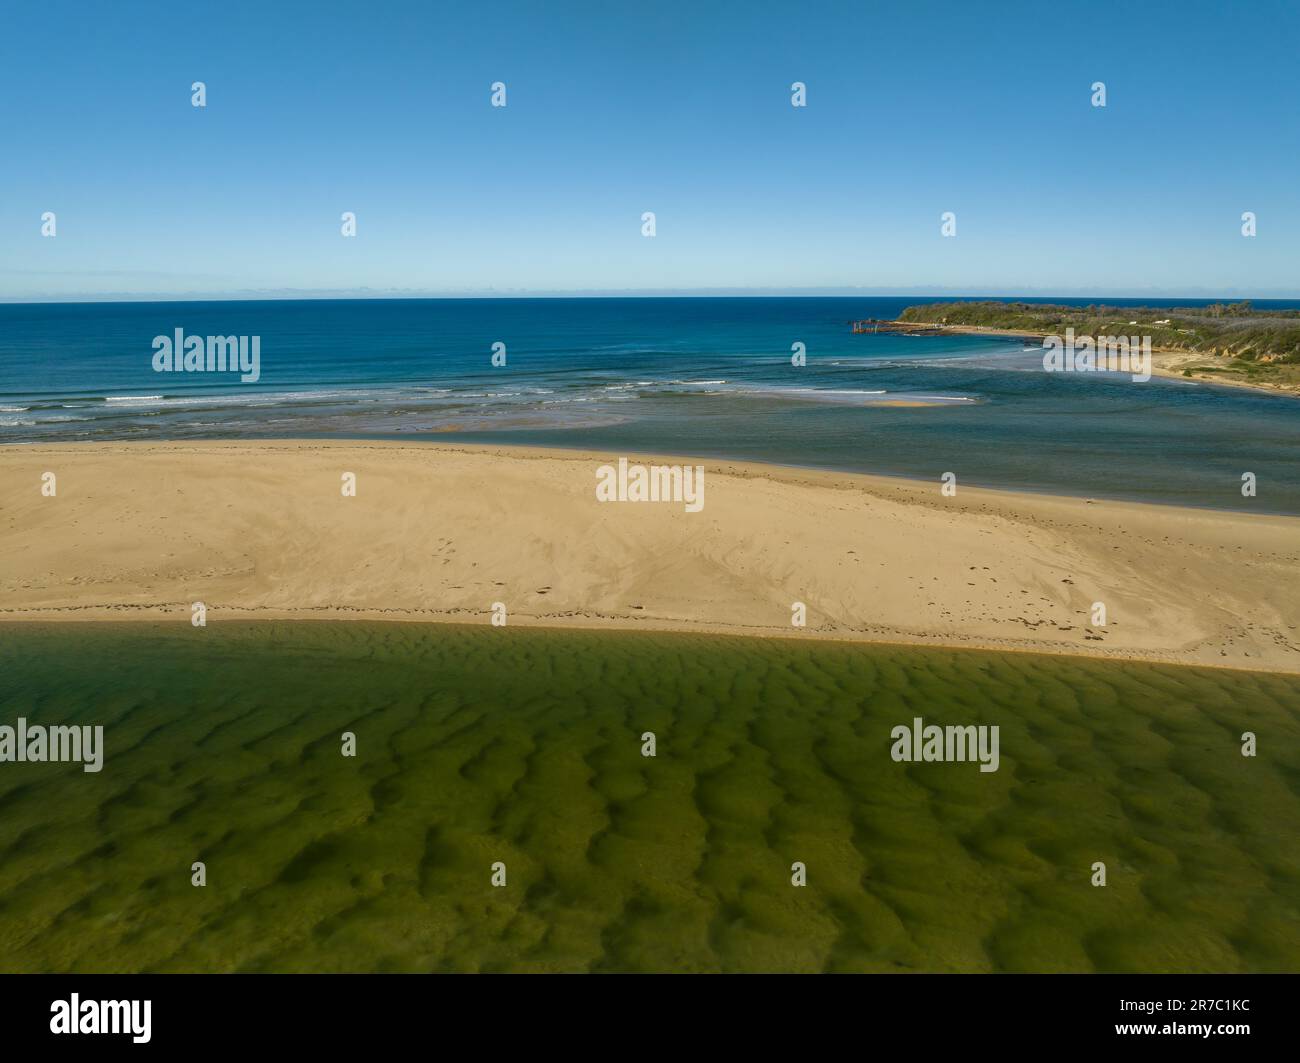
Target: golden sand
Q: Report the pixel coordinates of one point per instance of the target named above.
(441, 532)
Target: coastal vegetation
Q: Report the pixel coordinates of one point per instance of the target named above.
(1230, 340)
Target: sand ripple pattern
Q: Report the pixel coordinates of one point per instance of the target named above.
(480, 744)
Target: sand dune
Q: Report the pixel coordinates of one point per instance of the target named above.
(435, 532)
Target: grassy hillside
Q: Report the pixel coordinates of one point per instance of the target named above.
(1235, 330)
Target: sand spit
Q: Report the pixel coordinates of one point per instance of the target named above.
(440, 533)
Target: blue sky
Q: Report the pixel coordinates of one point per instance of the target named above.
(682, 109)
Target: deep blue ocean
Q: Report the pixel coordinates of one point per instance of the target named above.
(700, 376)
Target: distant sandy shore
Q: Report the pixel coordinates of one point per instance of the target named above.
(1170, 362)
(440, 532)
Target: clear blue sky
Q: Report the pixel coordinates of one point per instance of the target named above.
(616, 108)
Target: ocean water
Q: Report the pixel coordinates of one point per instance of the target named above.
(701, 376)
(476, 745)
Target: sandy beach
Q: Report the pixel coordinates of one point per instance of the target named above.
(1170, 362)
(440, 533)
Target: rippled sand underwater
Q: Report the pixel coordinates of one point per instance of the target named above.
(478, 745)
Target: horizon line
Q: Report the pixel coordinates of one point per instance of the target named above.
(400, 295)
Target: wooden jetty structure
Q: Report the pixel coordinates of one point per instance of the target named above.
(873, 324)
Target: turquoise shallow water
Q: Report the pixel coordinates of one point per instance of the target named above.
(699, 376)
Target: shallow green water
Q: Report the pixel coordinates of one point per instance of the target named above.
(478, 745)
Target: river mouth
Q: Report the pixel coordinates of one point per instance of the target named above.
(475, 746)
